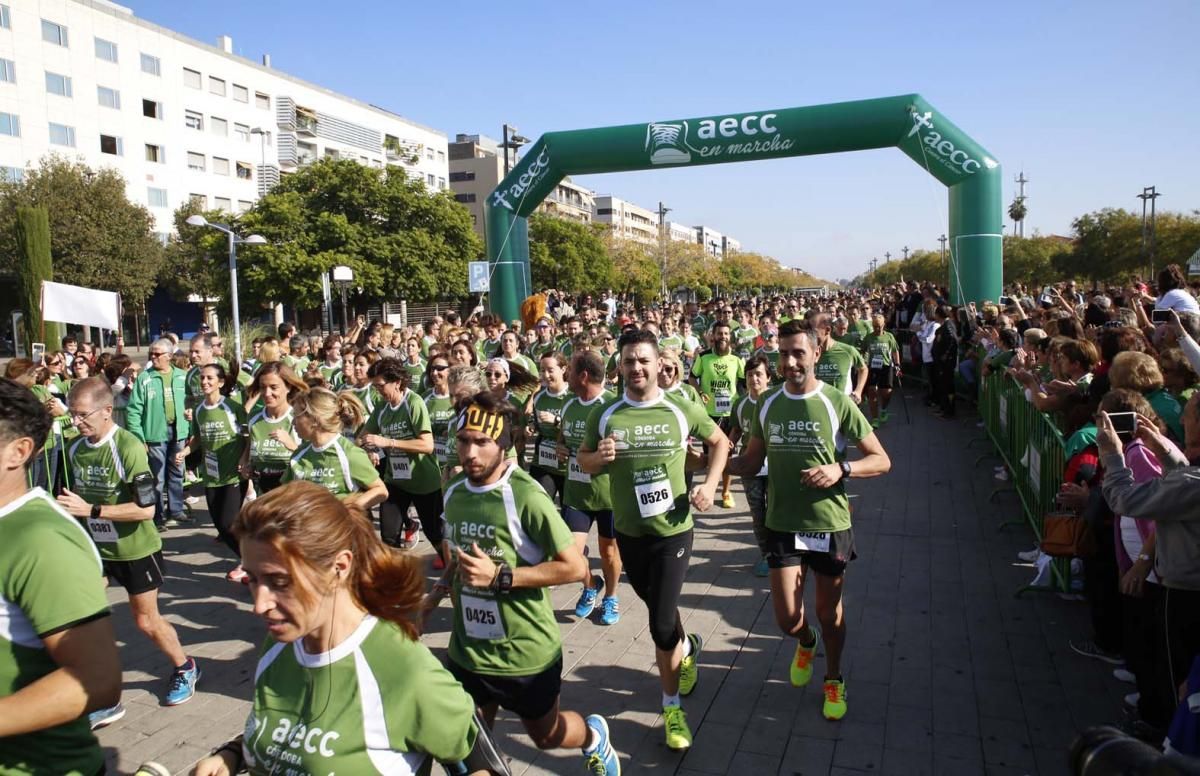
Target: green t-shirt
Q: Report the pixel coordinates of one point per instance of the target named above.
(368, 396)
(743, 341)
(416, 372)
(539, 349)
(411, 472)
(801, 431)
(835, 364)
(191, 382)
(878, 349)
(268, 455)
(332, 373)
(718, 381)
(687, 391)
(772, 357)
(339, 466)
(441, 413)
(646, 480)
(514, 521)
(50, 580)
(743, 420)
(100, 474)
(545, 451)
(528, 363)
(673, 341)
(221, 430)
(379, 702)
(582, 490)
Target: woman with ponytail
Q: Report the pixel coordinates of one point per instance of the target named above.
(328, 458)
(342, 660)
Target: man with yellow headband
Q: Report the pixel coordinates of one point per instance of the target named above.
(508, 546)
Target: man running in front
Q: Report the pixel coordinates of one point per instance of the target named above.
(640, 440)
(801, 430)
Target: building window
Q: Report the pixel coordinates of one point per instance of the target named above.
(430, 181)
(220, 166)
(244, 171)
(106, 50)
(460, 177)
(8, 71)
(10, 124)
(464, 198)
(216, 86)
(195, 161)
(108, 98)
(441, 183)
(152, 109)
(155, 153)
(218, 126)
(6, 24)
(151, 65)
(244, 205)
(429, 154)
(61, 134)
(54, 33)
(11, 174)
(58, 84)
(193, 119)
(191, 78)
(156, 197)
(241, 93)
(111, 145)
(262, 101)
(242, 131)
(199, 200)
(441, 156)
(223, 203)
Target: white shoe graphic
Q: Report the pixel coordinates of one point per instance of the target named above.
(667, 143)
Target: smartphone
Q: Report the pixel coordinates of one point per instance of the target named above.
(1124, 423)
(1160, 316)
(1006, 300)
(37, 351)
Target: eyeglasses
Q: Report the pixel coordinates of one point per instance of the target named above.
(667, 370)
(56, 362)
(438, 368)
(156, 355)
(494, 374)
(77, 417)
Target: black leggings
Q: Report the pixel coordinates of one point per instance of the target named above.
(551, 482)
(265, 482)
(224, 503)
(656, 566)
(393, 513)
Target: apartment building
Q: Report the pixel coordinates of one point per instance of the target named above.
(179, 119)
(572, 201)
(677, 232)
(627, 220)
(711, 240)
(475, 169)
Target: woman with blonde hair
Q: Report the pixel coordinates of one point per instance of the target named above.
(343, 652)
(329, 459)
(1139, 372)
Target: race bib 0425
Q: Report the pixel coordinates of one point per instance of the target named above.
(481, 618)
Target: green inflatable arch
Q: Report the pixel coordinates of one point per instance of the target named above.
(907, 122)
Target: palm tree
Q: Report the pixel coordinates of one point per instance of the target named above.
(1017, 212)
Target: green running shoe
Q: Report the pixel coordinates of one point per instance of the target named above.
(802, 668)
(835, 699)
(679, 735)
(688, 672)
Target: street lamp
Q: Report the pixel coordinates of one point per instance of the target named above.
(511, 140)
(343, 277)
(234, 242)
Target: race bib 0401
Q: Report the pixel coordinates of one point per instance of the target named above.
(400, 467)
(481, 618)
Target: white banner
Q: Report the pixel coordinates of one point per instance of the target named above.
(84, 306)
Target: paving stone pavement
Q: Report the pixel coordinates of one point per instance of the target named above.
(947, 671)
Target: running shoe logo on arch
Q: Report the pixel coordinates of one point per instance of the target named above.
(944, 151)
(527, 180)
(667, 142)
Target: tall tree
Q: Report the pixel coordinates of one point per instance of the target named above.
(401, 240)
(196, 258)
(32, 235)
(568, 255)
(635, 271)
(98, 238)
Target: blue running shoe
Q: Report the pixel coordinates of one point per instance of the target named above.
(183, 684)
(761, 569)
(610, 610)
(601, 759)
(105, 717)
(587, 599)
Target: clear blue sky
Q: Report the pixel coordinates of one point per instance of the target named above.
(1093, 99)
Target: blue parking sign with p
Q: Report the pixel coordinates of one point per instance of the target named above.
(477, 274)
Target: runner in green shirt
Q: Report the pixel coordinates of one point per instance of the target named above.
(343, 684)
(800, 432)
(744, 336)
(331, 368)
(401, 435)
(327, 457)
(545, 414)
(882, 353)
(272, 436)
(758, 381)
(58, 652)
(219, 436)
(358, 381)
(640, 440)
(837, 360)
(110, 489)
(414, 364)
(716, 374)
(440, 405)
(585, 497)
(509, 546)
(544, 330)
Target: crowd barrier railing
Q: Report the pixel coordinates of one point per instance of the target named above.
(1033, 451)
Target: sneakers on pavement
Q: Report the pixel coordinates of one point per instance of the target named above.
(761, 569)
(679, 735)
(610, 610)
(183, 684)
(588, 597)
(727, 501)
(688, 671)
(1089, 648)
(105, 717)
(601, 760)
(802, 664)
(410, 537)
(835, 699)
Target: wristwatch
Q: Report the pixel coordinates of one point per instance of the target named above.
(845, 469)
(504, 578)
(95, 510)
(1143, 556)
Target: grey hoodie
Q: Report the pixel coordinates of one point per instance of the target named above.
(1173, 503)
